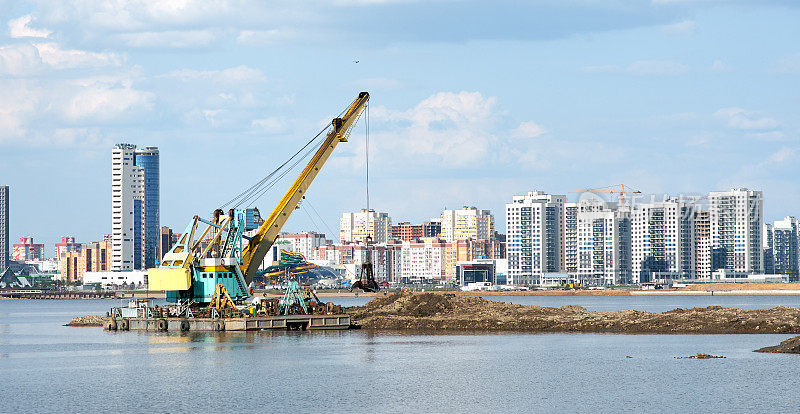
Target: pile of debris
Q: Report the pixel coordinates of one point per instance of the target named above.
(91, 320)
(447, 312)
(701, 355)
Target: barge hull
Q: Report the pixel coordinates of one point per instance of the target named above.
(287, 322)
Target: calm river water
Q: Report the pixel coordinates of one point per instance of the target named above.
(46, 367)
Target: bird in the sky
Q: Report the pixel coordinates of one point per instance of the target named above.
(355, 61)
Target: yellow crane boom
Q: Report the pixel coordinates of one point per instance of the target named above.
(254, 253)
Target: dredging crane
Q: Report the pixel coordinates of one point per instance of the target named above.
(192, 271)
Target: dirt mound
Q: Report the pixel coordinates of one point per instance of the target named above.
(701, 355)
(92, 320)
(789, 346)
(442, 312)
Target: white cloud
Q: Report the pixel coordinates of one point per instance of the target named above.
(271, 125)
(697, 140)
(52, 54)
(169, 39)
(782, 155)
(657, 67)
(453, 128)
(139, 15)
(641, 68)
(371, 84)
(744, 119)
(528, 129)
(788, 64)
(27, 60)
(770, 136)
(684, 28)
(18, 28)
(683, 1)
(103, 103)
(66, 112)
(20, 60)
(265, 37)
(450, 130)
(237, 74)
(719, 66)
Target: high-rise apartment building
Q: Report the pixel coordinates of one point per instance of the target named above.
(663, 240)
(604, 247)
(570, 233)
(135, 207)
(4, 219)
(467, 223)
(766, 245)
(535, 227)
(432, 228)
(26, 249)
(67, 244)
(166, 240)
(785, 252)
(702, 244)
(736, 220)
(357, 227)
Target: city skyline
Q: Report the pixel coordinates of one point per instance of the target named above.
(697, 202)
(664, 96)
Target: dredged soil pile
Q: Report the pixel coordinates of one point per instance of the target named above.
(91, 320)
(447, 312)
(789, 346)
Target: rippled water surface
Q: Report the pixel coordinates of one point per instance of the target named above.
(46, 367)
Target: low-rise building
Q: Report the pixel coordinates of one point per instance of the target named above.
(406, 231)
(113, 280)
(481, 270)
(92, 257)
(423, 260)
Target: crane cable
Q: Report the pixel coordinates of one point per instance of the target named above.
(257, 190)
(366, 149)
(247, 194)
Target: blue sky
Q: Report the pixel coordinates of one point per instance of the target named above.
(472, 102)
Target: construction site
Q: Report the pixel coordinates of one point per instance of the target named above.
(208, 279)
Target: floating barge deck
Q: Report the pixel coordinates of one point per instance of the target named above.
(256, 323)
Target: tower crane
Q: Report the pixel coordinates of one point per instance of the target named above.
(192, 270)
(621, 191)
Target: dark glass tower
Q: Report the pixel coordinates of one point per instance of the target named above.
(147, 159)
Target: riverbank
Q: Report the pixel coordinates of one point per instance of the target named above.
(447, 313)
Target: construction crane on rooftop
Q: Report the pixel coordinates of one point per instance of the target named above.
(611, 189)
